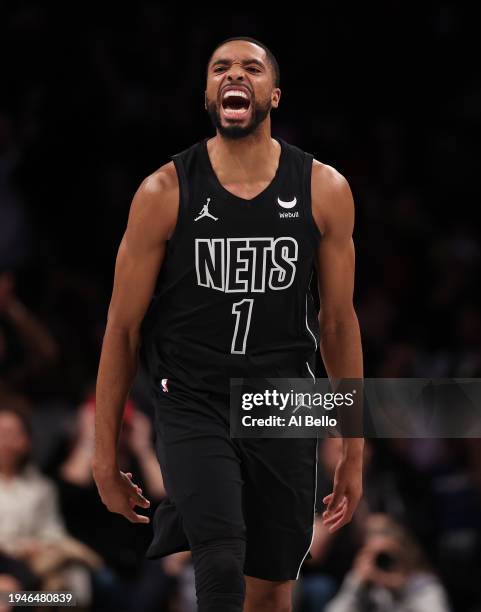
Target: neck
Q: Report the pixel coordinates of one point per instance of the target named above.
(250, 158)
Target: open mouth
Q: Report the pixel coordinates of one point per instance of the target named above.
(235, 103)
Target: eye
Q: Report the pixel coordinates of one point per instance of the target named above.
(219, 68)
(253, 69)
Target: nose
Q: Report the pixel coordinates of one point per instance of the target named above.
(235, 72)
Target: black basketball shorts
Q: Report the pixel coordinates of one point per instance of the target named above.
(262, 490)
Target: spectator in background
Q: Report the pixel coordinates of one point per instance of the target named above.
(27, 349)
(8, 583)
(142, 582)
(31, 528)
(391, 486)
(15, 576)
(136, 442)
(389, 574)
(419, 258)
(331, 553)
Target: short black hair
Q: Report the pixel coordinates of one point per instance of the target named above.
(270, 56)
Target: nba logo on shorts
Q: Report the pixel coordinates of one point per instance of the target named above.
(165, 388)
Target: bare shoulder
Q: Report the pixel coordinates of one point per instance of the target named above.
(155, 204)
(332, 201)
(162, 182)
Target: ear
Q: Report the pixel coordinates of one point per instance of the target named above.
(275, 98)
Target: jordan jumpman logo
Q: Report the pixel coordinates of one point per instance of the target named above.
(205, 212)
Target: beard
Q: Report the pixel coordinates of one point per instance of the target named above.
(235, 132)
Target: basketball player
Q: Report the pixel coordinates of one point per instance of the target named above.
(212, 282)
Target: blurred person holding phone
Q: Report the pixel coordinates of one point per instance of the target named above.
(389, 574)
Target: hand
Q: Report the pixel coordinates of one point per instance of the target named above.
(121, 495)
(363, 566)
(343, 500)
(366, 570)
(28, 548)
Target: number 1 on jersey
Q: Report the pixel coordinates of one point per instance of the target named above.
(243, 312)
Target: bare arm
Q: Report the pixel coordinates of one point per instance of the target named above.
(140, 444)
(340, 345)
(43, 348)
(152, 218)
(40, 347)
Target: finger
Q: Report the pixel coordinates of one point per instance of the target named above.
(133, 517)
(364, 555)
(140, 500)
(336, 526)
(342, 504)
(329, 517)
(327, 498)
(336, 500)
(334, 517)
(134, 492)
(340, 523)
(132, 502)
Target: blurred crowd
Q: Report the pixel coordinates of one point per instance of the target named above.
(94, 104)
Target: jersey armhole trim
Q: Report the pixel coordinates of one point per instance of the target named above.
(307, 174)
(183, 200)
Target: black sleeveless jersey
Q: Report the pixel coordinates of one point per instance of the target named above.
(232, 298)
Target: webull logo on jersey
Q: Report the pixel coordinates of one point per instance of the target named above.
(241, 265)
(288, 204)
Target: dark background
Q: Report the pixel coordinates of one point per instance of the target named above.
(95, 99)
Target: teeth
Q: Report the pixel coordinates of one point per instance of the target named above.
(235, 113)
(236, 92)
